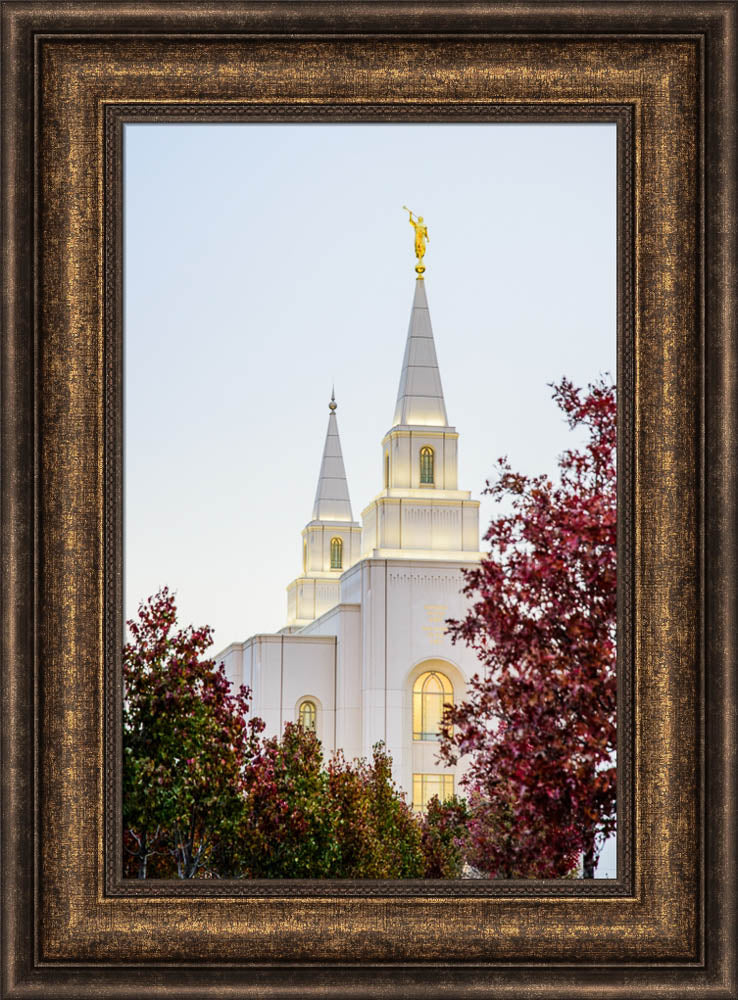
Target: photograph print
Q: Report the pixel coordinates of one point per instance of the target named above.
(369, 501)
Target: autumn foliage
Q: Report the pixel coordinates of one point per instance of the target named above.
(206, 795)
(186, 737)
(445, 831)
(378, 834)
(538, 722)
(307, 818)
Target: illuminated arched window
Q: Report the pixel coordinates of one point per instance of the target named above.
(386, 469)
(336, 553)
(426, 466)
(431, 692)
(307, 716)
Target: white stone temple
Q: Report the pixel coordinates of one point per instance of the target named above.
(363, 656)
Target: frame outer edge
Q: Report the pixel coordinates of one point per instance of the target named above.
(721, 502)
(381, 17)
(17, 498)
(17, 503)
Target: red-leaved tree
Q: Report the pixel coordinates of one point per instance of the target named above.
(186, 743)
(538, 722)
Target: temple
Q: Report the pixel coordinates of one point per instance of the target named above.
(363, 656)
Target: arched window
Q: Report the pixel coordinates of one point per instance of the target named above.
(336, 553)
(304, 555)
(386, 469)
(431, 692)
(426, 466)
(307, 716)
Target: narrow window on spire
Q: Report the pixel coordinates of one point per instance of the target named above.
(386, 470)
(304, 555)
(426, 466)
(336, 553)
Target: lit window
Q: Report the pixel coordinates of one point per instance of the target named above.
(336, 553)
(431, 692)
(425, 786)
(307, 715)
(386, 469)
(426, 466)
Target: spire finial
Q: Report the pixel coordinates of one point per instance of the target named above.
(333, 405)
(421, 238)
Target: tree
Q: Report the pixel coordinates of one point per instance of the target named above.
(186, 742)
(378, 834)
(305, 819)
(538, 722)
(286, 829)
(445, 833)
(206, 795)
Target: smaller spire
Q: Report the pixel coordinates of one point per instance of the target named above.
(332, 496)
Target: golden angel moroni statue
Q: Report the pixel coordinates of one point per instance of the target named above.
(421, 238)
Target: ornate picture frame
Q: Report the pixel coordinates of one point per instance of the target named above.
(72, 75)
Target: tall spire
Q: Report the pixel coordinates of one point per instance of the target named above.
(332, 497)
(420, 396)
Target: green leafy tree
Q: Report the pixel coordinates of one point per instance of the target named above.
(377, 833)
(444, 830)
(186, 742)
(206, 795)
(286, 828)
(396, 827)
(304, 818)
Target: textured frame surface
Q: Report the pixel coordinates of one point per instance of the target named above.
(69, 932)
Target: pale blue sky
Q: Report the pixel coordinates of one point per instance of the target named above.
(265, 263)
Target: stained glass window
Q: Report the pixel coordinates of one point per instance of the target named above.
(426, 466)
(336, 553)
(431, 692)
